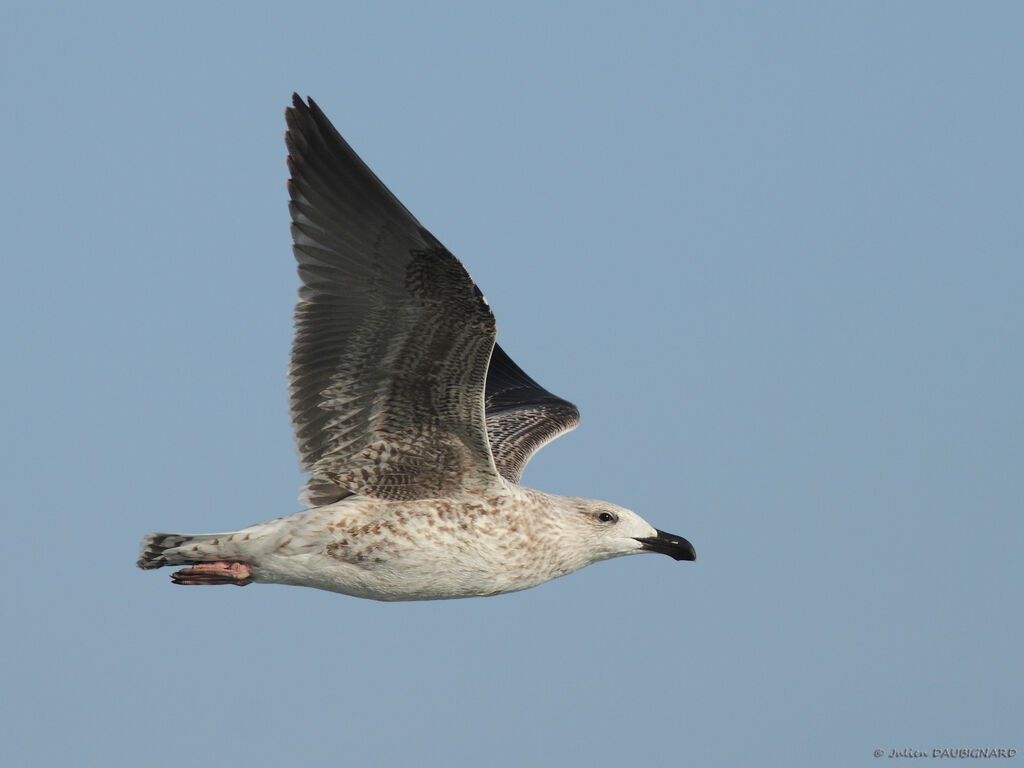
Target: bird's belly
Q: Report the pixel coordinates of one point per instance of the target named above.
(417, 552)
(402, 576)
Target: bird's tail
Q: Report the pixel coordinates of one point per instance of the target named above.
(210, 557)
(160, 549)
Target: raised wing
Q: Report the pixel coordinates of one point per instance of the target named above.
(392, 337)
(522, 416)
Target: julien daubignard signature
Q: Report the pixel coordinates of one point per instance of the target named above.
(957, 752)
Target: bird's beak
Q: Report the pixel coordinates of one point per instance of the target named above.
(675, 547)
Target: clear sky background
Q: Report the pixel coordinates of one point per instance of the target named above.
(774, 252)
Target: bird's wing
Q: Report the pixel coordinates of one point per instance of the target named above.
(392, 337)
(522, 416)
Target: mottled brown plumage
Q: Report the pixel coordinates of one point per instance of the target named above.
(413, 424)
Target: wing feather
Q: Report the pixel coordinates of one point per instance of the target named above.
(522, 416)
(392, 339)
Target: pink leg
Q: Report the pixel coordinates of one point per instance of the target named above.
(220, 572)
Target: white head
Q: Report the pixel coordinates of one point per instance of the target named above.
(605, 530)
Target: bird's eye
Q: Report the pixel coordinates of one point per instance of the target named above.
(606, 517)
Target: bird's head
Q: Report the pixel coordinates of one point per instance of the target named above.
(606, 530)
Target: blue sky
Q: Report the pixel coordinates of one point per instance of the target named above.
(773, 253)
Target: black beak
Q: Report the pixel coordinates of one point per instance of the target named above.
(675, 547)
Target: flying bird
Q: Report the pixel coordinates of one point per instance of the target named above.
(413, 424)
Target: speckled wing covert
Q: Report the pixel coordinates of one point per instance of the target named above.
(522, 416)
(392, 337)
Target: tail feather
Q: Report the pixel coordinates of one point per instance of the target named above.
(160, 549)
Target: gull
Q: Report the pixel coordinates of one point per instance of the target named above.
(413, 424)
